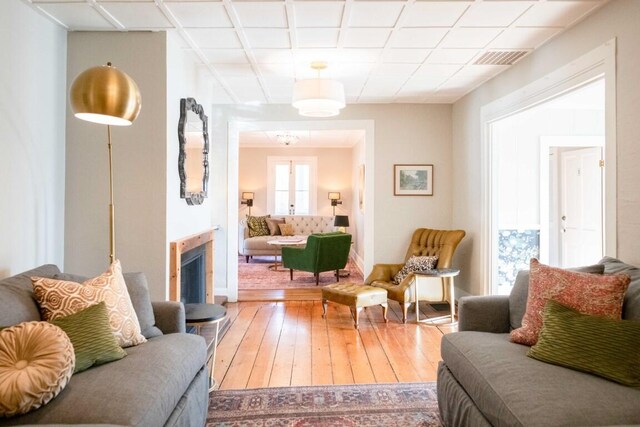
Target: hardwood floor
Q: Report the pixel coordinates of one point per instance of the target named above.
(274, 344)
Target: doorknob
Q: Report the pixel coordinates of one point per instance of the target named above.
(564, 218)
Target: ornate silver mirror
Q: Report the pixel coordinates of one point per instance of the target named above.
(193, 160)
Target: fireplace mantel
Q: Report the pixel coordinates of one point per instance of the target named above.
(177, 248)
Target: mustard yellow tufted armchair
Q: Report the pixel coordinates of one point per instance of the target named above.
(425, 242)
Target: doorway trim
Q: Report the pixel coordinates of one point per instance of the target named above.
(234, 130)
(546, 142)
(596, 64)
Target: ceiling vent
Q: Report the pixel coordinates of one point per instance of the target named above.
(500, 57)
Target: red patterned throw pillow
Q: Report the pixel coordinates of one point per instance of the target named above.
(599, 295)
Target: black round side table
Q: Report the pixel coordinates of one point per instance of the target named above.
(198, 315)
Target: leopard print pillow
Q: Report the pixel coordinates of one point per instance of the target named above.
(258, 225)
(415, 263)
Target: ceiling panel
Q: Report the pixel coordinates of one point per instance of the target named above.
(317, 37)
(408, 56)
(452, 56)
(213, 38)
(200, 14)
(493, 14)
(470, 37)
(523, 38)
(381, 50)
(433, 14)
(226, 56)
(366, 37)
(310, 14)
(138, 15)
(267, 38)
(418, 37)
(555, 14)
(261, 14)
(375, 14)
(77, 15)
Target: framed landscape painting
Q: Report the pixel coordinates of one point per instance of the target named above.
(413, 180)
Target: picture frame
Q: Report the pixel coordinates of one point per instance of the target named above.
(412, 180)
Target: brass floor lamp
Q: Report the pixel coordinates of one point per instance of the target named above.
(107, 96)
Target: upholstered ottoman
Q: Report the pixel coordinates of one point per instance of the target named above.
(356, 297)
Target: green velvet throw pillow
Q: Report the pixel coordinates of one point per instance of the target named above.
(593, 344)
(91, 336)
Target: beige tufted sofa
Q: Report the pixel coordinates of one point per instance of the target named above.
(302, 226)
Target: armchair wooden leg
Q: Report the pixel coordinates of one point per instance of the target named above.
(385, 307)
(317, 279)
(325, 303)
(247, 257)
(337, 275)
(291, 274)
(405, 309)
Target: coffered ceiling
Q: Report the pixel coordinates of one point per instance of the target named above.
(382, 51)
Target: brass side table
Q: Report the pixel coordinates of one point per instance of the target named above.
(199, 315)
(441, 273)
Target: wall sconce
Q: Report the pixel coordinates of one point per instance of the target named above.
(247, 199)
(334, 196)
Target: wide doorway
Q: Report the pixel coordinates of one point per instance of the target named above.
(548, 178)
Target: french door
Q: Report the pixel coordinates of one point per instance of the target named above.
(292, 185)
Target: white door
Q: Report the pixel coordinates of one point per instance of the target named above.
(292, 185)
(581, 207)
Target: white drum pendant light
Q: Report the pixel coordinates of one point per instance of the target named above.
(318, 97)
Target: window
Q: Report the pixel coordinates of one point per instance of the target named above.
(291, 185)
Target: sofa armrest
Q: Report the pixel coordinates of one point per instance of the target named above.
(484, 314)
(169, 316)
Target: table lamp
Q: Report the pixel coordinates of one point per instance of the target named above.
(341, 221)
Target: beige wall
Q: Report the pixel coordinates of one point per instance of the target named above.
(404, 133)
(357, 216)
(333, 174)
(616, 19)
(32, 108)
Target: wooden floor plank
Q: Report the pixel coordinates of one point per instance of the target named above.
(283, 363)
(321, 372)
(245, 357)
(233, 338)
(301, 371)
(340, 363)
(261, 371)
(273, 344)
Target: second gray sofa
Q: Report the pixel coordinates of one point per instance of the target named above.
(486, 380)
(163, 382)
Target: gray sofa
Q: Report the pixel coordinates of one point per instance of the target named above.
(486, 380)
(162, 382)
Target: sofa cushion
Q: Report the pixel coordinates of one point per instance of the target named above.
(600, 295)
(273, 224)
(258, 225)
(518, 295)
(513, 390)
(16, 296)
(142, 389)
(631, 306)
(594, 344)
(139, 294)
(260, 243)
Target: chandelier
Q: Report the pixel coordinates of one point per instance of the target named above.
(318, 97)
(288, 139)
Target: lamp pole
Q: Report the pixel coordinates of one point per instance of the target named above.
(112, 214)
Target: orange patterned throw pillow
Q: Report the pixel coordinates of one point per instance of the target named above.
(59, 298)
(598, 295)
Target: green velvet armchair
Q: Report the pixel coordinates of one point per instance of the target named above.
(323, 252)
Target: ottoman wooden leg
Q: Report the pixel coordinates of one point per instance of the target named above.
(356, 316)
(325, 303)
(385, 307)
(405, 309)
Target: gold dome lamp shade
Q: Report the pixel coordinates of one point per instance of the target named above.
(107, 96)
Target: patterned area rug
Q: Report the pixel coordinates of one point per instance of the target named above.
(257, 275)
(402, 404)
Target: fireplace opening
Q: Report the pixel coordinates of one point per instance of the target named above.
(193, 276)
